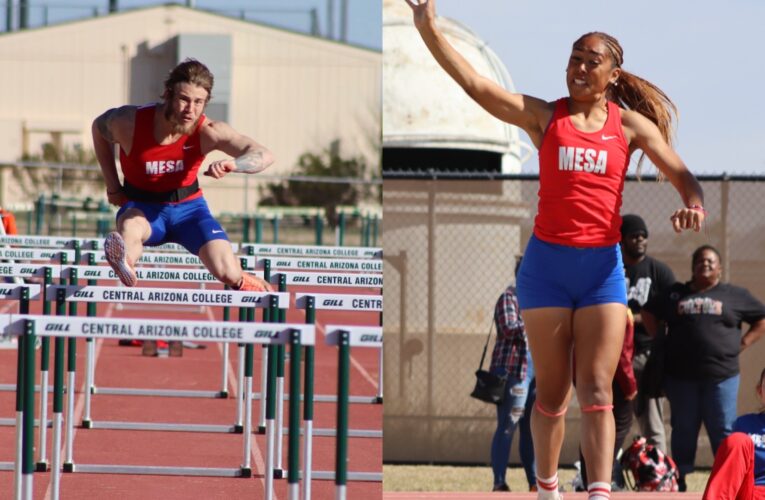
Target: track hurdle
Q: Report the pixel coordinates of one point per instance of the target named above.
(341, 302)
(76, 327)
(354, 303)
(345, 337)
(23, 294)
(46, 272)
(231, 298)
(185, 275)
(308, 302)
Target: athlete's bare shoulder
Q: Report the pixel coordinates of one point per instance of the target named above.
(541, 112)
(214, 133)
(637, 127)
(212, 128)
(116, 124)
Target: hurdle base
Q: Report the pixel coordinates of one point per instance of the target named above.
(379, 400)
(238, 429)
(41, 467)
(68, 467)
(87, 424)
(223, 395)
(280, 473)
(261, 429)
(245, 472)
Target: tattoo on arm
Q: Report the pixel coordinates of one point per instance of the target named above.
(103, 125)
(251, 162)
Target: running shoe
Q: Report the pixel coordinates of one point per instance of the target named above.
(114, 249)
(251, 283)
(175, 348)
(150, 348)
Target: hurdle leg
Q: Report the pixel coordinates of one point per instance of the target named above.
(263, 384)
(279, 470)
(28, 433)
(20, 395)
(270, 424)
(58, 406)
(293, 466)
(380, 377)
(90, 373)
(42, 460)
(70, 396)
(343, 385)
(224, 365)
(308, 422)
(246, 466)
(224, 372)
(240, 384)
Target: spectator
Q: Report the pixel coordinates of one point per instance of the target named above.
(646, 277)
(703, 326)
(511, 359)
(9, 222)
(739, 468)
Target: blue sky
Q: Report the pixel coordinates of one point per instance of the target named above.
(364, 26)
(706, 55)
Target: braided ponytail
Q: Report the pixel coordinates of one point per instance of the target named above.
(637, 94)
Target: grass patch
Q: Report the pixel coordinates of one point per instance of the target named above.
(479, 478)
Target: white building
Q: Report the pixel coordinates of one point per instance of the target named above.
(292, 92)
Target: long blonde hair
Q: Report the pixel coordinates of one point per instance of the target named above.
(637, 94)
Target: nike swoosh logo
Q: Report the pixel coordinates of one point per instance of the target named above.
(607, 137)
(187, 147)
(216, 231)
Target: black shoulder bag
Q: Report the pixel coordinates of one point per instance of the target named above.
(488, 386)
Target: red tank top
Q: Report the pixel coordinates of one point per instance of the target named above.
(581, 177)
(156, 168)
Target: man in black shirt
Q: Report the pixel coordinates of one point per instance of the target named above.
(645, 277)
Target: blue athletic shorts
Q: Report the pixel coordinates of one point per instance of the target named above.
(188, 223)
(554, 275)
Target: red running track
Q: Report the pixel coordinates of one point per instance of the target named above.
(200, 369)
(533, 496)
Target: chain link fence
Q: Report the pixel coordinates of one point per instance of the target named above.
(450, 250)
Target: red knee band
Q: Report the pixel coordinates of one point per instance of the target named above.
(594, 408)
(550, 414)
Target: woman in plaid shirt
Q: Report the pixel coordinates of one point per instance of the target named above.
(511, 359)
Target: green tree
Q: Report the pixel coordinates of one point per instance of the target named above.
(329, 195)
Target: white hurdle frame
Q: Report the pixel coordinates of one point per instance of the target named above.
(138, 295)
(92, 327)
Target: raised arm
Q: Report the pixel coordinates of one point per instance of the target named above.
(249, 156)
(529, 113)
(114, 126)
(644, 134)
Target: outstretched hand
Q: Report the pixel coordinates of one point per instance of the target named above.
(424, 11)
(688, 218)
